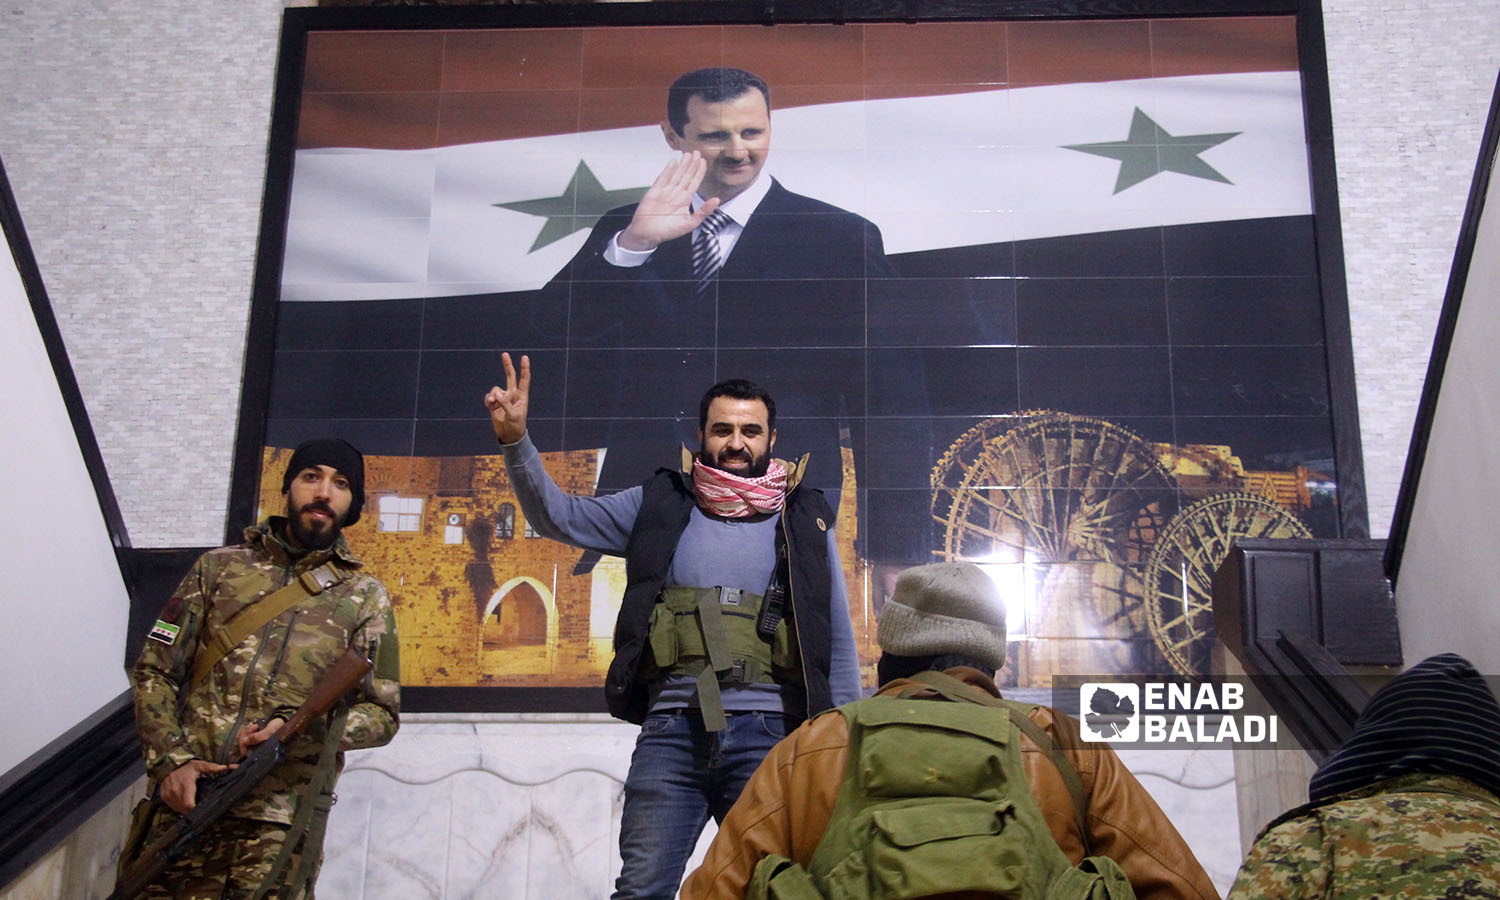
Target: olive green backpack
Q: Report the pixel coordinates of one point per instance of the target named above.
(935, 802)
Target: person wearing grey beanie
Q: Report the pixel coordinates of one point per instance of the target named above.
(943, 638)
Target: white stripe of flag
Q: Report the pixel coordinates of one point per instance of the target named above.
(933, 172)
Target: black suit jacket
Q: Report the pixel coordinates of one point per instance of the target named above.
(788, 311)
(789, 237)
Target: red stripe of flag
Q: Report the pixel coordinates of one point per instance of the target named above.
(419, 89)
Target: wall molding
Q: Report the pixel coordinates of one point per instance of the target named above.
(62, 785)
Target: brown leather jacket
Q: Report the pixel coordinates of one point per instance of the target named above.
(786, 804)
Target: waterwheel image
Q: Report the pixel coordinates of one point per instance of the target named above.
(1050, 487)
(1179, 602)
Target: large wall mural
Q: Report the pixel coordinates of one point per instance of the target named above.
(1080, 338)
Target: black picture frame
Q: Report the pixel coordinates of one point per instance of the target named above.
(302, 23)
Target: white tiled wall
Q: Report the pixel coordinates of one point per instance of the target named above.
(134, 139)
(1410, 82)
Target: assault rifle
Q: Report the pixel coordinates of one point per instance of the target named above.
(217, 794)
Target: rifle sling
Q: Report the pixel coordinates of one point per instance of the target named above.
(1065, 767)
(310, 818)
(217, 644)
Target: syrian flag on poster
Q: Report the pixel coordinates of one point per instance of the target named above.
(933, 172)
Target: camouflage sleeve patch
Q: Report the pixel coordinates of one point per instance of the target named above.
(171, 611)
(388, 657)
(166, 627)
(164, 631)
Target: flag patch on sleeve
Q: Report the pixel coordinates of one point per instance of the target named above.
(165, 632)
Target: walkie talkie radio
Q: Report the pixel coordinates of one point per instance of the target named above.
(773, 606)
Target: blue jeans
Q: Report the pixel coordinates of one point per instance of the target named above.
(681, 774)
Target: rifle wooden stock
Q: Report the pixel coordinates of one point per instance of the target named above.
(218, 794)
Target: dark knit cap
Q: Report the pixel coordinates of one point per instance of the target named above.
(339, 454)
(1439, 717)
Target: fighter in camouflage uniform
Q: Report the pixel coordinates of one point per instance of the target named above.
(249, 693)
(1406, 808)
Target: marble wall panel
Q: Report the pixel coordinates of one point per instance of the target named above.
(528, 806)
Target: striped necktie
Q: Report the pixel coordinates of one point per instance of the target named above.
(707, 260)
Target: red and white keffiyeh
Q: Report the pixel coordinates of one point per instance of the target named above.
(735, 496)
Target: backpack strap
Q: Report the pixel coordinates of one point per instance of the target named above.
(221, 642)
(950, 687)
(1065, 768)
(956, 690)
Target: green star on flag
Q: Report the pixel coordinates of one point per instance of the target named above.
(1150, 150)
(579, 206)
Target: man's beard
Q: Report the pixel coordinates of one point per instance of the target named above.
(758, 465)
(309, 539)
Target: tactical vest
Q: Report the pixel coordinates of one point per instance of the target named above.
(666, 503)
(935, 803)
(711, 634)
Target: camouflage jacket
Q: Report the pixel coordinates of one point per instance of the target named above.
(1415, 836)
(270, 673)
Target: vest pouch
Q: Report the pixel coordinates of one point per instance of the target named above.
(661, 637)
(678, 640)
